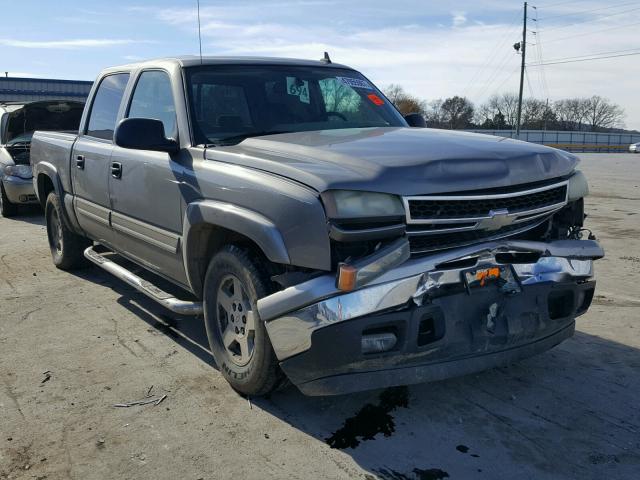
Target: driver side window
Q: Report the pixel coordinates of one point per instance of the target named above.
(152, 98)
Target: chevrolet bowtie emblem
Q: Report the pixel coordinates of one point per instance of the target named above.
(496, 220)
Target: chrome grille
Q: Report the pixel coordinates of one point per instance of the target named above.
(435, 222)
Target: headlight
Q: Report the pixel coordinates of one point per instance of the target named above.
(355, 204)
(22, 171)
(578, 186)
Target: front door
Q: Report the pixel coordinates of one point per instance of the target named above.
(145, 187)
(91, 157)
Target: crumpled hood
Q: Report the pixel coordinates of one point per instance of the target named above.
(404, 161)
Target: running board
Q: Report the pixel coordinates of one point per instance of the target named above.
(182, 307)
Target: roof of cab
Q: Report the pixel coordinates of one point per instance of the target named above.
(194, 60)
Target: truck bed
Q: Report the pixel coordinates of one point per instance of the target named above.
(52, 151)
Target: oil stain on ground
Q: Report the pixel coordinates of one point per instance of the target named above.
(418, 474)
(371, 420)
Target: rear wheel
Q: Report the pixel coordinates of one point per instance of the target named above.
(237, 337)
(67, 248)
(7, 209)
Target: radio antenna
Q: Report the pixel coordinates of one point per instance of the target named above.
(199, 34)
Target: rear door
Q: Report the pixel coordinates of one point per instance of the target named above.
(91, 159)
(145, 195)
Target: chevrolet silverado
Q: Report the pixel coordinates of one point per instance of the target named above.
(321, 236)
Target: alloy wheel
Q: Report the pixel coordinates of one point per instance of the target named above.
(56, 232)
(236, 320)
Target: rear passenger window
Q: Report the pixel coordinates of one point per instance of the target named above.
(106, 103)
(152, 98)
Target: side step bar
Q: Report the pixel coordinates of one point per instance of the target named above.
(182, 307)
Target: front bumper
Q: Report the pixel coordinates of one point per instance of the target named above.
(19, 190)
(442, 327)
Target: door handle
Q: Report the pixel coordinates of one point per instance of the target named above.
(80, 162)
(116, 170)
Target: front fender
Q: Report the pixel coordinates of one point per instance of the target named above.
(237, 219)
(251, 224)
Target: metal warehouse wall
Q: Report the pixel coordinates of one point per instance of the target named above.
(19, 89)
(573, 141)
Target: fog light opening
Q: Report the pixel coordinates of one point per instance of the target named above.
(560, 304)
(378, 341)
(586, 297)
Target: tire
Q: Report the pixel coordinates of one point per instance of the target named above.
(237, 337)
(67, 248)
(7, 209)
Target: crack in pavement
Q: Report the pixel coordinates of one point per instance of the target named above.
(13, 397)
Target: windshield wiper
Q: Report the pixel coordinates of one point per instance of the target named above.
(243, 136)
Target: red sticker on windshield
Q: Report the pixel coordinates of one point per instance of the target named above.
(375, 99)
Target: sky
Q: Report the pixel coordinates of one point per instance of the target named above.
(434, 49)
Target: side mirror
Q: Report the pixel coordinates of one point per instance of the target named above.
(415, 120)
(144, 134)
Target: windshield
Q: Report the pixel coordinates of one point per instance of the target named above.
(231, 103)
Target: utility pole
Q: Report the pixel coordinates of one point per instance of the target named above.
(523, 50)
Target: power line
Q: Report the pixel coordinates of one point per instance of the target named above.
(558, 4)
(506, 80)
(592, 32)
(529, 85)
(539, 54)
(493, 77)
(580, 12)
(523, 50)
(594, 54)
(584, 59)
(486, 64)
(592, 20)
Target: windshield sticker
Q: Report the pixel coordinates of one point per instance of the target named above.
(375, 99)
(298, 88)
(355, 82)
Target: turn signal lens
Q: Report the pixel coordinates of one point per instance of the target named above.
(347, 277)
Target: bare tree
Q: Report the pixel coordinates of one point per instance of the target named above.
(508, 103)
(536, 114)
(600, 113)
(457, 112)
(404, 101)
(394, 92)
(571, 113)
(435, 114)
(499, 112)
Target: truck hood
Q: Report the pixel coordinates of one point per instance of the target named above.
(43, 115)
(403, 161)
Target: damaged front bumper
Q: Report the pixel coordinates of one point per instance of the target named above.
(424, 320)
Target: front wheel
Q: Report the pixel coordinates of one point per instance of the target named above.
(237, 337)
(67, 248)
